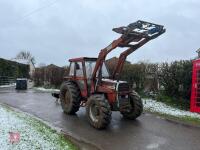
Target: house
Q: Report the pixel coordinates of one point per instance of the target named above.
(198, 52)
(112, 62)
(150, 83)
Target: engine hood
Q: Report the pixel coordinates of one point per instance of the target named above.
(112, 84)
(116, 85)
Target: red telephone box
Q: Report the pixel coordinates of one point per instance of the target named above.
(195, 93)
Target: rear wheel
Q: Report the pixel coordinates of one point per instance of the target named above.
(136, 108)
(70, 97)
(98, 111)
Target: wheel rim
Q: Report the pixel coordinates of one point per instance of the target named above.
(94, 112)
(67, 98)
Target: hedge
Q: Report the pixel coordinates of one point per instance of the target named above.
(13, 69)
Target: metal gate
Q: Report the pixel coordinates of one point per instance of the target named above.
(195, 93)
(6, 80)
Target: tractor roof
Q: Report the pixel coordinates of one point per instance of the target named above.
(82, 59)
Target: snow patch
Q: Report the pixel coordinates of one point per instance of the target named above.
(46, 90)
(162, 108)
(9, 85)
(33, 135)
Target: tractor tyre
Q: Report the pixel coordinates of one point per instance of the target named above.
(98, 111)
(136, 108)
(70, 97)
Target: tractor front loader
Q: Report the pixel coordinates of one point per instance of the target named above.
(90, 83)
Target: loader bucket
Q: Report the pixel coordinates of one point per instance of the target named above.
(141, 29)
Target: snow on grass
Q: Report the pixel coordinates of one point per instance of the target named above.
(46, 90)
(8, 85)
(33, 133)
(162, 108)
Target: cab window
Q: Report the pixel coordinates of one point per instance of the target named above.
(71, 71)
(90, 65)
(79, 69)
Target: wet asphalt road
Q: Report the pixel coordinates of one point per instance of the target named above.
(149, 132)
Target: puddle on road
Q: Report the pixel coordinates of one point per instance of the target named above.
(153, 146)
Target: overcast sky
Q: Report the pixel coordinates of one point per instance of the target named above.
(56, 30)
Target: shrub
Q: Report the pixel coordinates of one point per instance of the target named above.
(13, 69)
(176, 78)
(49, 76)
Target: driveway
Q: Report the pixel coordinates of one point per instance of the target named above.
(148, 132)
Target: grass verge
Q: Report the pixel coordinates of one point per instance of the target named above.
(183, 120)
(180, 103)
(48, 134)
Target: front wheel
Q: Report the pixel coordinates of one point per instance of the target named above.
(136, 108)
(98, 111)
(70, 97)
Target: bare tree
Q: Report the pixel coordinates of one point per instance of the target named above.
(26, 55)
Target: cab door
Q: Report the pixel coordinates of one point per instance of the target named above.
(79, 77)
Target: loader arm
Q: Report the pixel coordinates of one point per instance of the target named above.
(139, 32)
(101, 59)
(123, 56)
(102, 55)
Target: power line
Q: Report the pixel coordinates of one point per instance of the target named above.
(37, 10)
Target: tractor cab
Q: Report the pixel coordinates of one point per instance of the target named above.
(81, 70)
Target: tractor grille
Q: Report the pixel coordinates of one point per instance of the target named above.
(123, 87)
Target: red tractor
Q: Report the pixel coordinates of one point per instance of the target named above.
(89, 82)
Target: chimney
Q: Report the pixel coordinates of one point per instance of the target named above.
(198, 52)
